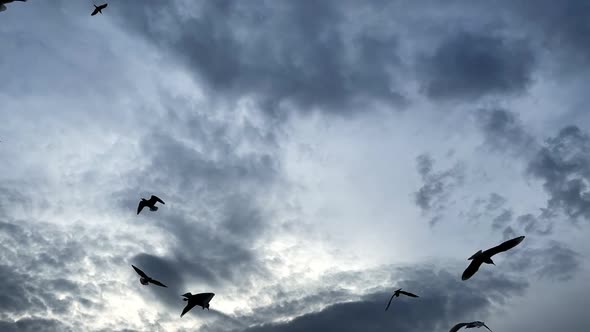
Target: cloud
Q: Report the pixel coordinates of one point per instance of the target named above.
(434, 194)
(504, 132)
(276, 52)
(437, 308)
(563, 164)
(469, 65)
(554, 261)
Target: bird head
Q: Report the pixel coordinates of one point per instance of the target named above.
(143, 281)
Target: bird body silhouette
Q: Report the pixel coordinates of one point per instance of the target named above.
(98, 9)
(4, 2)
(151, 203)
(481, 257)
(201, 299)
(397, 294)
(470, 325)
(145, 280)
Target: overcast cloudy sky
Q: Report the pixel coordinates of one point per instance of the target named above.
(313, 156)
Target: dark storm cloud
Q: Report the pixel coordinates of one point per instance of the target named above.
(437, 308)
(275, 51)
(469, 65)
(563, 164)
(503, 131)
(434, 194)
(555, 261)
(561, 26)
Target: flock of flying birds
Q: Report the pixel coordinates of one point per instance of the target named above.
(203, 299)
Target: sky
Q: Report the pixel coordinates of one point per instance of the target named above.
(314, 156)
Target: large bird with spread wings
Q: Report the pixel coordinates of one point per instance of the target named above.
(397, 294)
(151, 203)
(201, 299)
(470, 325)
(145, 280)
(4, 2)
(98, 9)
(486, 256)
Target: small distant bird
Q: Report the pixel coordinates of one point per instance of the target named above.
(3, 2)
(396, 294)
(486, 257)
(477, 324)
(151, 203)
(98, 9)
(201, 299)
(145, 279)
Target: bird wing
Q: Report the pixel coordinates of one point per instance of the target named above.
(140, 272)
(389, 303)
(486, 327)
(189, 306)
(94, 12)
(203, 298)
(471, 269)
(457, 327)
(408, 294)
(157, 199)
(103, 6)
(140, 207)
(156, 282)
(504, 246)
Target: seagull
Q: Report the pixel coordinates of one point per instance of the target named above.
(477, 324)
(98, 9)
(151, 203)
(3, 2)
(145, 280)
(201, 299)
(486, 257)
(396, 294)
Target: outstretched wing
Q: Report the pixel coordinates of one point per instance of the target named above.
(94, 12)
(157, 199)
(504, 246)
(457, 327)
(389, 303)
(141, 205)
(103, 6)
(408, 294)
(484, 325)
(140, 272)
(203, 298)
(156, 282)
(471, 269)
(189, 306)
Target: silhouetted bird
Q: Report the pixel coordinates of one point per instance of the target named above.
(396, 294)
(151, 203)
(3, 2)
(98, 9)
(486, 257)
(145, 279)
(201, 299)
(477, 324)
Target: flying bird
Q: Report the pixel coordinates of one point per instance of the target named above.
(477, 324)
(486, 257)
(201, 299)
(396, 294)
(145, 279)
(151, 203)
(98, 9)
(4, 2)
